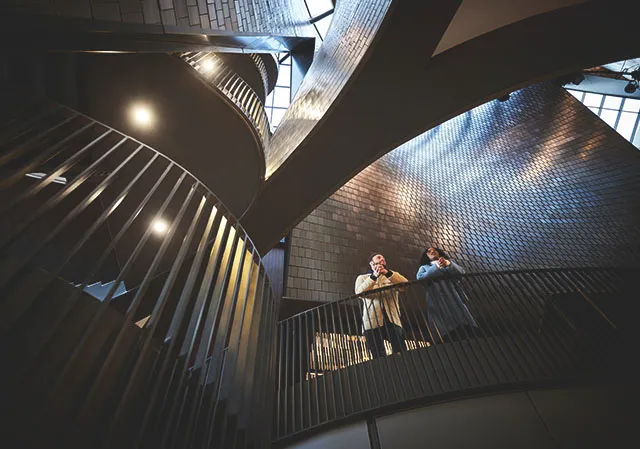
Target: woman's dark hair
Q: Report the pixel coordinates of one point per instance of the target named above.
(424, 259)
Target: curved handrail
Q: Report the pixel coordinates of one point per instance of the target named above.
(213, 70)
(453, 277)
(262, 68)
(454, 335)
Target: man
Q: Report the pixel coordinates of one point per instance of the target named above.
(381, 312)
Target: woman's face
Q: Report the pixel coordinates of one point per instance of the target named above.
(433, 254)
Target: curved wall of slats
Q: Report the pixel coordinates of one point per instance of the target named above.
(134, 310)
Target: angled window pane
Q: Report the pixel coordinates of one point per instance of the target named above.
(636, 139)
(609, 117)
(281, 97)
(611, 102)
(591, 99)
(323, 26)
(277, 116)
(317, 7)
(576, 93)
(626, 123)
(595, 110)
(286, 61)
(284, 76)
(269, 102)
(631, 105)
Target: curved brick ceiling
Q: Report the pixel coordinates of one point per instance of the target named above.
(398, 91)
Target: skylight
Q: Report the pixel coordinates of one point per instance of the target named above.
(278, 101)
(320, 15)
(621, 113)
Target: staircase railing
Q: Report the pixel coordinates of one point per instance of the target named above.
(427, 339)
(213, 69)
(197, 369)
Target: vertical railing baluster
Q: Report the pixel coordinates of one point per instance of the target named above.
(177, 320)
(117, 344)
(11, 315)
(340, 362)
(419, 318)
(316, 362)
(362, 354)
(218, 257)
(307, 363)
(193, 410)
(450, 348)
(288, 365)
(160, 303)
(323, 357)
(545, 348)
(473, 334)
(27, 146)
(501, 329)
(19, 263)
(218, 364)
(390, 296)
(17, 126)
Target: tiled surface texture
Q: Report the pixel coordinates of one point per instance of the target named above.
(352, 31)
(353, 28)
(284, 17)
(537, 181)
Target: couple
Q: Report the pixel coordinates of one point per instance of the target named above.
(381, 314)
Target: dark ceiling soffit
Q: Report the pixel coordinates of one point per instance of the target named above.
(48, 33)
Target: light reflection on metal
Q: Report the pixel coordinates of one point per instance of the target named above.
(57, 179)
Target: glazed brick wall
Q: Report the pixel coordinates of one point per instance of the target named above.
(353, 28)
(282, 17)
(538, 181)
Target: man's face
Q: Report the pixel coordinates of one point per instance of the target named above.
(378, 259)
(433, 254)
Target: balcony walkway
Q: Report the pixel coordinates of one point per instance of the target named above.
(534, 328)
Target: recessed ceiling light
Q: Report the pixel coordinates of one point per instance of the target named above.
(141, 115)
(159, 226)
(208, 66)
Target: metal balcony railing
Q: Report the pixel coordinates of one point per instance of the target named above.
(184, 356)
(213, 70)
(262, 68)
(450, 336)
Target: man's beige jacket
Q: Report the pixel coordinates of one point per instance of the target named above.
(372, 315)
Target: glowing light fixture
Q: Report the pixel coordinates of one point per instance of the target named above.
(141, 115)
(208, 66)
(159, 226)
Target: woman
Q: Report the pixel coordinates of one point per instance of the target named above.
(447, 313)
